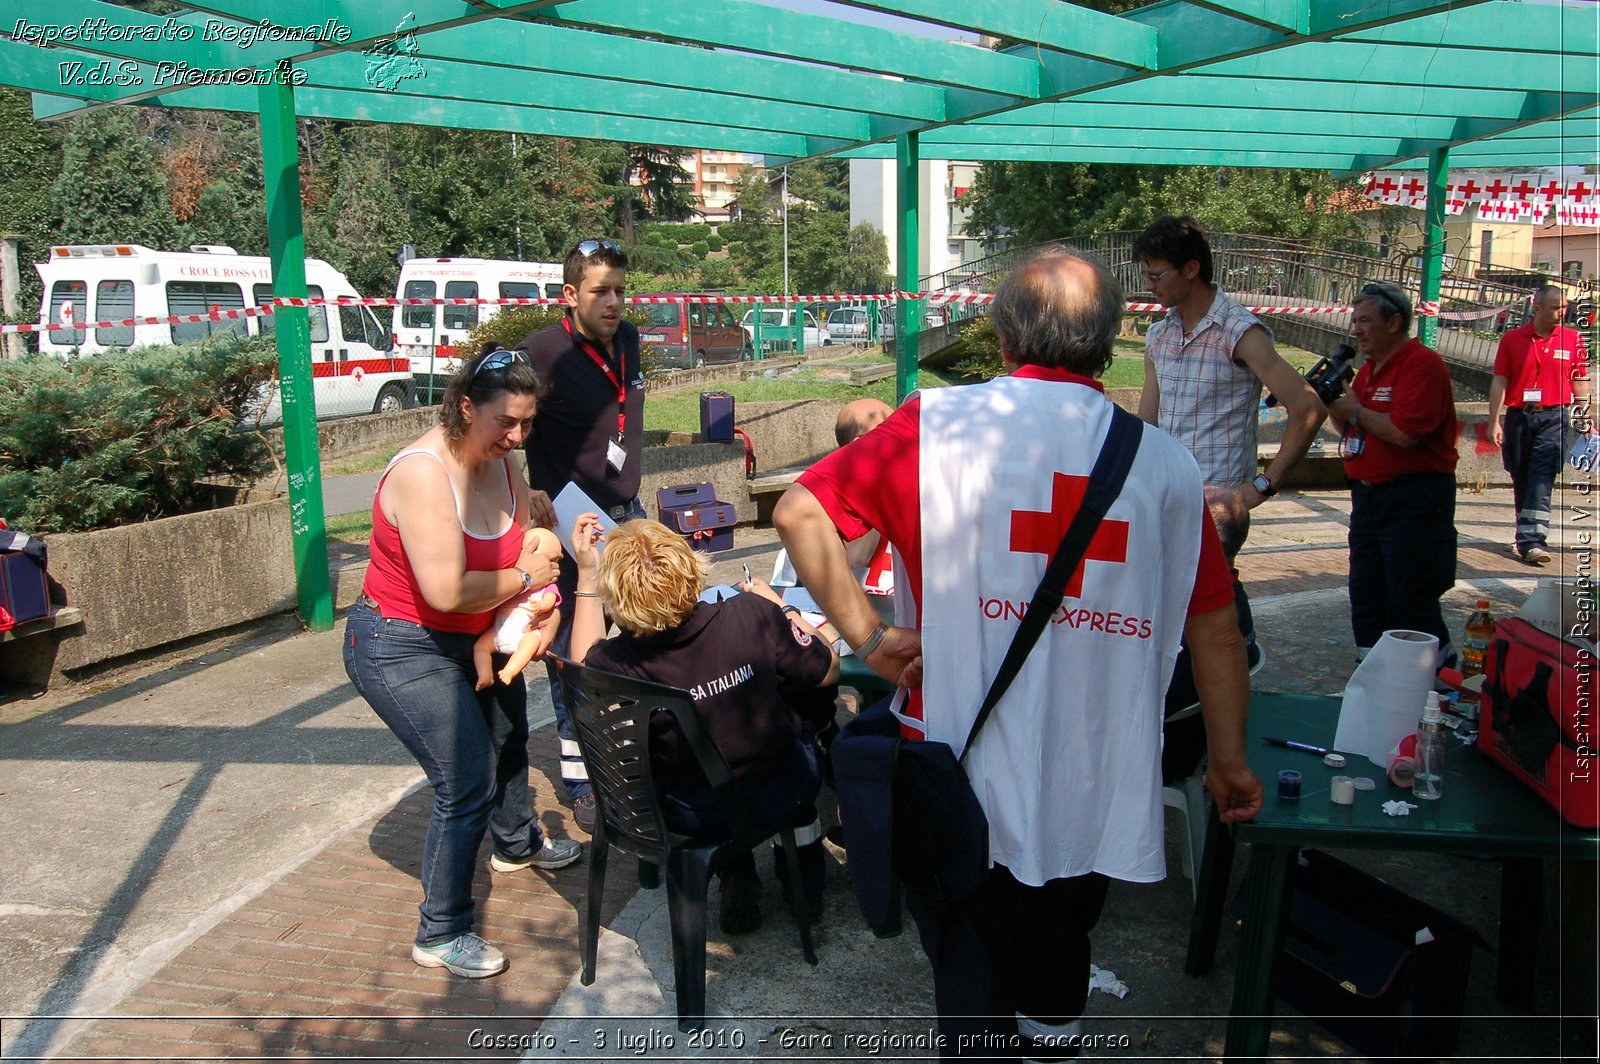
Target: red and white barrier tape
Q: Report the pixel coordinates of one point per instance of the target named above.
(944, 297)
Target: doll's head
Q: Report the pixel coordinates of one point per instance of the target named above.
(544, 543)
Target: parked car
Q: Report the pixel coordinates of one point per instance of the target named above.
(777, 329)
(849, 325)
(693, 334)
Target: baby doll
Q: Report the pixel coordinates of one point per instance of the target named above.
(524, 625)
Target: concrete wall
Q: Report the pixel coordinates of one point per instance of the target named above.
(720, 464)
(143, 585)
(366, 432)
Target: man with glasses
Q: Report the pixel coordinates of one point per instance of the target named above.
(1205, 365)
(1540, 371)
(1398, 420)
(589, 432)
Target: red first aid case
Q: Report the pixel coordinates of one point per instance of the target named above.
(1537, 717)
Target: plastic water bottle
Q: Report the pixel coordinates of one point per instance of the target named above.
(1430, 750)
(1479, 634)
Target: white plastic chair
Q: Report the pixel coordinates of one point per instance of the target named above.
(1188, 797)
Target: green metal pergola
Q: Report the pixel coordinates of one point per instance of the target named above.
(1340, 85)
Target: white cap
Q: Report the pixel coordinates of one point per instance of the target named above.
(1430, 708)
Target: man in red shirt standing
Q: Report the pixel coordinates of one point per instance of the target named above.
(1540, 371)
(1398, 425)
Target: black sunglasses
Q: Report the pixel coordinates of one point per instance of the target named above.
(589, 247)
(1380, 292)
(501, 359)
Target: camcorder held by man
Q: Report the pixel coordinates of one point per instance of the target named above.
(1328, 377)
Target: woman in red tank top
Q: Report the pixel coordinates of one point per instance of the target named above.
(447, 532)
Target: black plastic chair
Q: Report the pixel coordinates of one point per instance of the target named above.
(612, 717)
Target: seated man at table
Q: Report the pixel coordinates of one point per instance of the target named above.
(1184, 741)
(735, 658)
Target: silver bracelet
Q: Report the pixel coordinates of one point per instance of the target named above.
(586, 594)
(872, 642)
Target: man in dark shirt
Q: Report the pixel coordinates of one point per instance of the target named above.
(588, 431)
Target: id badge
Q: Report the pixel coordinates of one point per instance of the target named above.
(1355, 443)
(1532, 395)
(616, 455)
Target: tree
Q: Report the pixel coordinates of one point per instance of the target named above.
(30, 158)
(864, 266)
(663, 191)
(111, 187)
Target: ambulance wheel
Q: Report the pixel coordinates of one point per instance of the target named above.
(392, 399)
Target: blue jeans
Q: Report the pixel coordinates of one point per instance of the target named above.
(574, 777)
(472, 744)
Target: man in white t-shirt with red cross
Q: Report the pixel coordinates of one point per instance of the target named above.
(975, 487)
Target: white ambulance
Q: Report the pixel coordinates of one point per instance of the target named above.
(354, 369)
(434, 337)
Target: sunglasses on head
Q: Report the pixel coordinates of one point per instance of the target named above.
(589, 247)
(501, 359)
(1379, 292)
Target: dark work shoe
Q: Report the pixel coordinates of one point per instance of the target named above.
(741, 901)
(583, 811)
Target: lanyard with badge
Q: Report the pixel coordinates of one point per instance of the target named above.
(616, 453)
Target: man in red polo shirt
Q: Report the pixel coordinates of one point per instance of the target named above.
(1541, 374)
(1398, 421)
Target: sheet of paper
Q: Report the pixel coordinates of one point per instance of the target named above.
(718, 593)
(571, 503)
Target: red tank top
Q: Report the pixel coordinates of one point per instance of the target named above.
(392, 584)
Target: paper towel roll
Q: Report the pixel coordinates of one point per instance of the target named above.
(1383, 700)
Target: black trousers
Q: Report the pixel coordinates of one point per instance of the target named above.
(1402, 556)
(1012, 948)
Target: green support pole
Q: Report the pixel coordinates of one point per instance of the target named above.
(908, 312)
(1433, 254)
(280, 164)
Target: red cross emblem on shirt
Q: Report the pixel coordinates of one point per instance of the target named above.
(1033, 532)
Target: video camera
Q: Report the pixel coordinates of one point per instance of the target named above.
(1327, 378)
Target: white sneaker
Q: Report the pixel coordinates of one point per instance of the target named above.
(465, 955)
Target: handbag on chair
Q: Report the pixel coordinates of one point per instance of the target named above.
(906, 805)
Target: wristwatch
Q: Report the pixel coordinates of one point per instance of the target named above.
(527, 578)
(1263, 486)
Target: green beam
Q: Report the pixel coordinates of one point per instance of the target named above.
(1538, 28)
(1338, 17)
(1338, 61)
(280, 168)
(908, 312)
(403, 109)
(956, 139)
(1288, 16)
(1202, 120)
(475, 82)
(1199, 90)
(1285, 158)
(811, 38)
(1433, 251)
(1042, 23)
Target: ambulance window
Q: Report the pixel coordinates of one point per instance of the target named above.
(113, 301)
(262, 293)
(199, 297)
(519, 290)
(62, 293)
(553, 291)
(460, 317)
(352, 325)
(418, 317)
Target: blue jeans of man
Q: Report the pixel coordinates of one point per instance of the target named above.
(1535, 446)
(472, 744)
(574, 777)
(1402, 556)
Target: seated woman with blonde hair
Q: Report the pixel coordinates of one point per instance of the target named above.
(734, 658)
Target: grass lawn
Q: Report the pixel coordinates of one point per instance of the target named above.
(350, 528)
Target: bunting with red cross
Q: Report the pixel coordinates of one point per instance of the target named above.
(1496, 197)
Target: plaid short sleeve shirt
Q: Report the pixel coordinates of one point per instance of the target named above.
(1209, 401)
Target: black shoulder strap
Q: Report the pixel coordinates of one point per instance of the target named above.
(1105, 484)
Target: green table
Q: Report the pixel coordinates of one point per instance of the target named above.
(853, 672)
(1482, 811)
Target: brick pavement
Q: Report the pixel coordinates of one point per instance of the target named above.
(319, 965)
